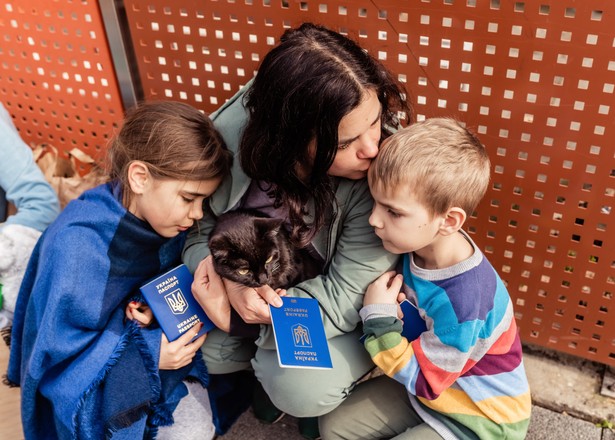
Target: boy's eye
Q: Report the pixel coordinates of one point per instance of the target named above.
(269, 259)
(187, 200)
(242, 271)
(393, 214)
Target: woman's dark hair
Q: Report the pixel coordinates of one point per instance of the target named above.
(303, 89)
(174, 140)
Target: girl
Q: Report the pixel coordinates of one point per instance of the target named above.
(306, 130)
(84, 371)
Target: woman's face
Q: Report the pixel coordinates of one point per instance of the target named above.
(359, 137)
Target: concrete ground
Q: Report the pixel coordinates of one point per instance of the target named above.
(567, 403)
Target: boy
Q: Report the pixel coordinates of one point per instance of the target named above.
(463, 377)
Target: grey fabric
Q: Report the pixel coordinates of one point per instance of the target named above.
(314, 391)
(377, 409)
(192, 417)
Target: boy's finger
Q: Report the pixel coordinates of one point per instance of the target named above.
(397, 282)
(385, 278)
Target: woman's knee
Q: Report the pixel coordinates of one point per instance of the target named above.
(310, 393)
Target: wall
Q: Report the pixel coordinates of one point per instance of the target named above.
(534, 79)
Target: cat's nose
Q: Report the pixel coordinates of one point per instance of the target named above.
(263, 279)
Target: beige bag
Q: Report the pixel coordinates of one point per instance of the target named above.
(62, 173)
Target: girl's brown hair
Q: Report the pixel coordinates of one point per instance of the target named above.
(175, 141)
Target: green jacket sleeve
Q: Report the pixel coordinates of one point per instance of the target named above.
(355, 258)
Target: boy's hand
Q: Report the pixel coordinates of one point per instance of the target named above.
(139, 312)
(384, 290)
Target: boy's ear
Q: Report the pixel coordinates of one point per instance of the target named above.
(138, 176)
(453, 220)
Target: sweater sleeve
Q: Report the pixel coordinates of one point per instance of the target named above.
(23, 182)
(406, 362)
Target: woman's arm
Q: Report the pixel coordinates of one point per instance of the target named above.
(356, 259)
(209, 291)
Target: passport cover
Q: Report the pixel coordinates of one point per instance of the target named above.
(300, 334)
(414, 325)
(170, 297)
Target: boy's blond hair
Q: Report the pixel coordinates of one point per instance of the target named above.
(438, 161)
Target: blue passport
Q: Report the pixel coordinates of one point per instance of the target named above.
(170, 297)
(300, 334)
(414, 325)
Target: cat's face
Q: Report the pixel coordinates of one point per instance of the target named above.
(248, 252)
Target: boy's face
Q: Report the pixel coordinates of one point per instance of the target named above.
(401, 221)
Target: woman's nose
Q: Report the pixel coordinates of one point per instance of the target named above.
(368, 148)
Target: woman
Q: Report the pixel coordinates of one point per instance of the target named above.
(305, 131)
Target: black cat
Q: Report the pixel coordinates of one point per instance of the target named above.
(254, 250)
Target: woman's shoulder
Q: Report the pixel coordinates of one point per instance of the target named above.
(231, 118)
(353, 192)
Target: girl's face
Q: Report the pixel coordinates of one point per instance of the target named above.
(171, 206)
(359, 137)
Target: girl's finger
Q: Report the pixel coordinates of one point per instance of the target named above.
(141, 317)
(187, 337)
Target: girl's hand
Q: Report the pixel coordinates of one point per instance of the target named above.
(210, 292)
(384, 290)
(180, 352)
(140, 312)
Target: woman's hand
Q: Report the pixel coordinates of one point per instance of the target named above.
(139, 312)
(252, 304)
(210, 292)
(180, 352)
(384, 290)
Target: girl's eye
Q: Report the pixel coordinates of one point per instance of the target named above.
(242, 271)
(269, 259)
(343, 146)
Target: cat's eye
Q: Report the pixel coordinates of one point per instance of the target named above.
(242, 271)
(269, 260)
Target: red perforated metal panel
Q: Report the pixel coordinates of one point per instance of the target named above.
(56, 74)
(534, 79)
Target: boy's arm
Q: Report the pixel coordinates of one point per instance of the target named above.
(403, 360)
(388, 349)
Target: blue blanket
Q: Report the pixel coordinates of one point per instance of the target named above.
(85, 372)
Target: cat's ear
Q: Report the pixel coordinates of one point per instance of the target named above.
(218, 248)
(269, 227)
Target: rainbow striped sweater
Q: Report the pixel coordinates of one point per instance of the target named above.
(464, 374)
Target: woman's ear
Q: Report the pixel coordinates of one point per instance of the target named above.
(453, 220)
(138, 176)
